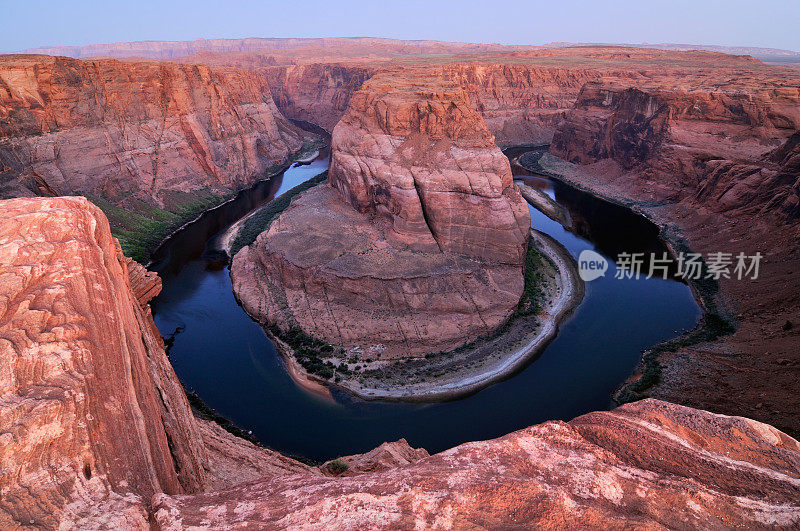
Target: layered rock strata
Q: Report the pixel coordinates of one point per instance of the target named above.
(417, 243)
(413, 152)
(718, 171)
(328, 270)
(317, 93)
(141, 136)
(96, 431)
(93, 419)
(649, 465)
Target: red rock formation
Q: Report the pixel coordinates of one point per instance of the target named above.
(138, 135)
(325, 268)
(317, 93)
(723, 173)
(412, 151)
(96, 431)
(145, 284)
(387, 456)
(521, 104)
(425, 252)
(706, 144)
(93, 419)
(646, 465)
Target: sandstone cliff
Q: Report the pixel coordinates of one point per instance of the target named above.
(155, 140)
(716, 167)
(420, 247)
(93, 420)
(521, 104)
(92, 412)
(317, 93)
(328, 270)
(97, 433)
(412, 151)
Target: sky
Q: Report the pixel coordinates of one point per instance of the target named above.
(763, 23)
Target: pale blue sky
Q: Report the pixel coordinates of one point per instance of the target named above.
(765, 23)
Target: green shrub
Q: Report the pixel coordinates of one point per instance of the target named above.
(261, 220)
(337, 466)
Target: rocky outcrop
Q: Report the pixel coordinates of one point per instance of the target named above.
(316, 93)
(648, 465)
(387, 456)
(97, 433)
(420, 247)
(145, 284)
(93, 419)
(141, 136)
(624, 124)
(711, 146)
(330, 271)
(414, 153)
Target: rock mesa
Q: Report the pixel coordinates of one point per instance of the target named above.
(417, 243)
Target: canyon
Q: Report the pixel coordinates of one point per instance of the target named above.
(703, 144)
(151, 143)
(419, 214)
(97, 431)
(415, 244)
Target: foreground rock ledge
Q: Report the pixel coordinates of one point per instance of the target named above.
(95, 430)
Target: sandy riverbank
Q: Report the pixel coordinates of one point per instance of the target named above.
(503, 356)
(466, 371)
(306, 381)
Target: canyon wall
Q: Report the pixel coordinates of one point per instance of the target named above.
(317, 93)
(416, 246)
(712, 146)
(714, 163)
(149, 138)
(93, 418)
(521, 104)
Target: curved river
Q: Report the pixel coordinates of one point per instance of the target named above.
(222, 355)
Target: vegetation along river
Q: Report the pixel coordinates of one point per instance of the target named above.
(223, 356)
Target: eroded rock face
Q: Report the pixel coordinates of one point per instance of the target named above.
(93, 419)
(332, 272)
(714, 147)
(317, 93)
(649, 464)
(413, 152)
(723, 178)
(137, 135)
(520, 103)
(96, 432)
(624, 124)
(417, 244)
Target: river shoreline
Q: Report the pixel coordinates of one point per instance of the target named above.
(565, 293)
(260, 392)
(713, 306)
(305, 155)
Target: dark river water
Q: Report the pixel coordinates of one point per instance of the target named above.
(223, 356)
